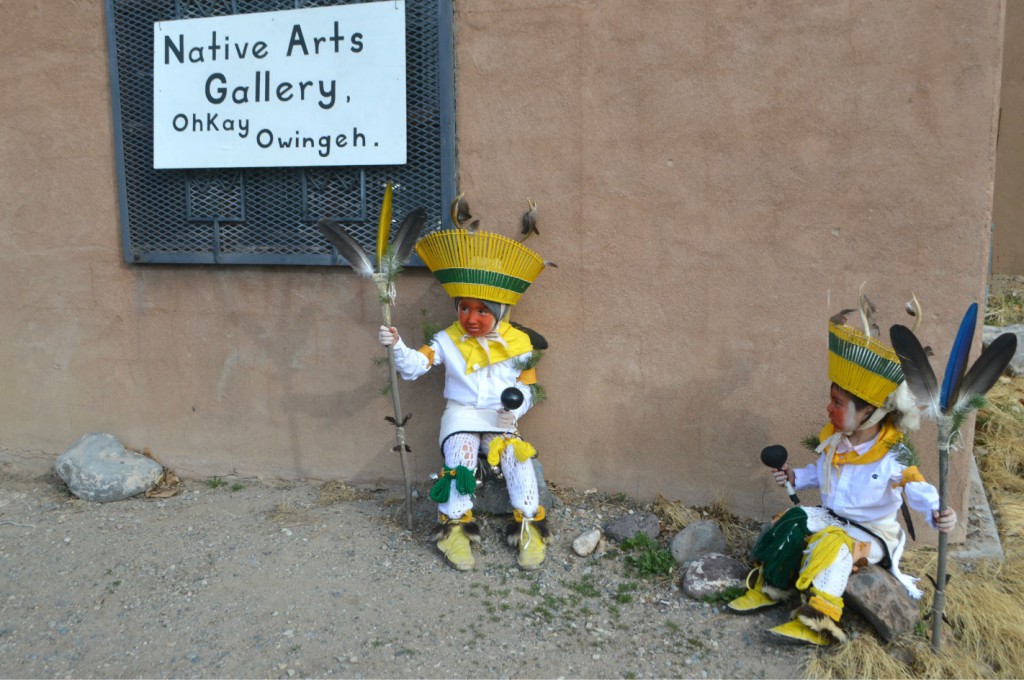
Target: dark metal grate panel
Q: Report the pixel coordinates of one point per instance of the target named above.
(268, 215)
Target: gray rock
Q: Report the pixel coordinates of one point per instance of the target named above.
(629, 526)
(990, 333)
(587, 542)
(883, 601)
(697, 539)
(712, 574)
(98, 468)
(492, 495)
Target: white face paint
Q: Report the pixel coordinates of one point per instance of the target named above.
(842, 411)
(850, 420)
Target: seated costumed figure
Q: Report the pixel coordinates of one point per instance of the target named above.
(863, 472)
(482, 354)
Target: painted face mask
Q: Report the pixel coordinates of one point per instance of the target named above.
(476, 318)
(843, 412)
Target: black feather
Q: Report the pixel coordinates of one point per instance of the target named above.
(916, 368)
(536, 339)
(440, 531)
(347, 247)
(987, 369)
(513, 530)
(408, 234)
(472, 530)
(529, 220)
(840, 318)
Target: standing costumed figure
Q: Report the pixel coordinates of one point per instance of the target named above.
(864, 472)
(483, 355)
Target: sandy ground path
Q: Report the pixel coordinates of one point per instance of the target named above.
(279, 580)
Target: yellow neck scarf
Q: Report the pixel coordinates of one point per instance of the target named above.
(501, 344)
(888, 437)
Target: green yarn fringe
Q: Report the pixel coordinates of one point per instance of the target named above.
(465, 483)
(781, 549)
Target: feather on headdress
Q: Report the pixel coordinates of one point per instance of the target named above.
(857, 361)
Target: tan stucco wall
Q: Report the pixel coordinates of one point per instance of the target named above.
(715, 179)
(1008, 208)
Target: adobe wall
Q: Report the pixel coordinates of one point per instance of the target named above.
(715, 179)
(1008, 213)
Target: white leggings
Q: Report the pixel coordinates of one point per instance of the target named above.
(464, 449)
(832, 579)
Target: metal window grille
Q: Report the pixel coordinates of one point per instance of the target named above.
(268, 215)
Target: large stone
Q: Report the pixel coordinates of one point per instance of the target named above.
(629, 526)
(98, 468)
(883, 601)
(492, 495)
(712, 574)
(587, 542)
(697, 539)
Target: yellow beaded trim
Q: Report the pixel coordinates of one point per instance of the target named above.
(829, 605)
(911, 474)
(445, 519)
(517, 515)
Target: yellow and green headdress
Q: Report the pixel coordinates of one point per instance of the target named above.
(857, 361)
(480, 264)
(862, 365)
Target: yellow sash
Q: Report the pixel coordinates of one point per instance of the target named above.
(888, 437)
(472, 350)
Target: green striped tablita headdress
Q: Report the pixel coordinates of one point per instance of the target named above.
(480, 264)
(862, 365)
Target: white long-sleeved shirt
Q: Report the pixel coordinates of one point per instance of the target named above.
(480, 389)
(866, 493)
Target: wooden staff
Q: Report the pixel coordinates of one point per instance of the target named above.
(384, 269)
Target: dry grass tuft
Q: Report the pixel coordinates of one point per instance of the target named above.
(337, 491)
(1009, 512)
(867, 657)
(1005, 304)
(740, 534)
(674, 515)
(287, 515)
(1000, 438)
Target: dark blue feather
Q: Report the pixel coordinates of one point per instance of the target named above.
(958, 357)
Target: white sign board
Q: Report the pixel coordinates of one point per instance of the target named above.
(306, 87)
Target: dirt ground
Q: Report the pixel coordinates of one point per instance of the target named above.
(256, 580)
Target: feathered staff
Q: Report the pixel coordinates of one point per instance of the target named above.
(961, 392)
(384, 269)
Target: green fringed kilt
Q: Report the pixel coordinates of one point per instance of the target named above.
(780, 550)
